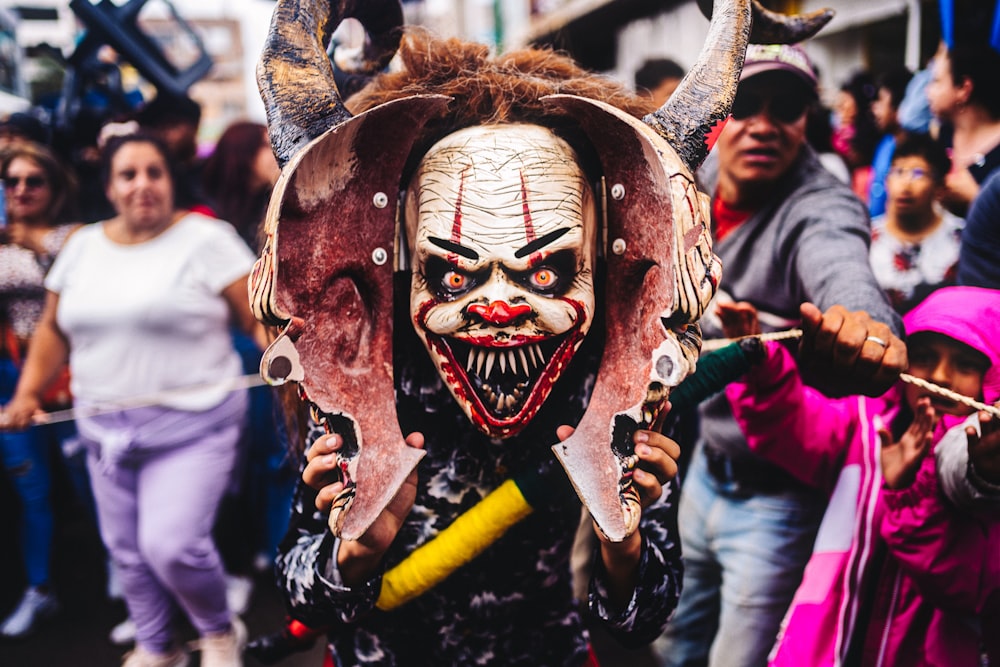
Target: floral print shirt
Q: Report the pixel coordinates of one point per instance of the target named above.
(22, 273)
(908, 272)
(512, 604)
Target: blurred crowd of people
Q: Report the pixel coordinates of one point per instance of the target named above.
(132, 271)
(886, 202)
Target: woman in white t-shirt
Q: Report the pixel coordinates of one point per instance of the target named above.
(142, 304)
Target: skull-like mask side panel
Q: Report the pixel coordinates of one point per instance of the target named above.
(325, 276)
(661, 276)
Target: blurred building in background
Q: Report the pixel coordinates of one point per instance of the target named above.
(611, 36)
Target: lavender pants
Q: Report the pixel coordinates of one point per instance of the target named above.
(156, 500)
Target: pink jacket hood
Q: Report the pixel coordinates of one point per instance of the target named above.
(970, 315)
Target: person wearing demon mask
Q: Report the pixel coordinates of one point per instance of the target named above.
(531, 300)
(502, 350)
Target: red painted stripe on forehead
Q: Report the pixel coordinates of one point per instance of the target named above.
(456, 226)
(529, 229)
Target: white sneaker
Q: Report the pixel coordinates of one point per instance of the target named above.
(140, 657)
(224, 649)
(238, 592)
(35, 606)
(123, 634)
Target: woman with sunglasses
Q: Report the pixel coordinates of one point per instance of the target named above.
(141, 305)
(40, 195)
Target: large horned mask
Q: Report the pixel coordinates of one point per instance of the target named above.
(502, 226)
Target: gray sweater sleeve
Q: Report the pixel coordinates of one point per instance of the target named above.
(831, 255)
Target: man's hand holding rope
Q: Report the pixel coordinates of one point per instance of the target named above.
(844, 353)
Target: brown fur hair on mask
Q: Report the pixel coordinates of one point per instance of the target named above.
(489, 89)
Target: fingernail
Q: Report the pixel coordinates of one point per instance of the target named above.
(330, 459)
(643, 450)
(641, 436)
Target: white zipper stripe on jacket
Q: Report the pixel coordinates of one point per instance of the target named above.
(849, 617)
(884, 643)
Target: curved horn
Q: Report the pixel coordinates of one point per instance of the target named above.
(774, 28)
(295, 75)
(706, 94)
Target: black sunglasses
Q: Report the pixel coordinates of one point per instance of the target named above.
(30, 182)
(782, 109)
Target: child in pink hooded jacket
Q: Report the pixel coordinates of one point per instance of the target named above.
(898, 576)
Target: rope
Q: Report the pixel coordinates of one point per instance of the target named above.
(716, 343)
(147, 400)
(948, 393)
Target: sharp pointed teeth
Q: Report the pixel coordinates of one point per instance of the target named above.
(472, 359)
(524, 359)
(479, 362)
(503, 361)
(509, 401)
(491, 357)
(512, 357)
(500, 401)
(541, 357)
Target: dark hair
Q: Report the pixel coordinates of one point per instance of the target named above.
(62, 182)
(26, 126)
(922, 145)
(116, 143)
(819, 129)
(971, 56)
(226, 182)
(166, 109)
(895, 81)
(861, 87)
(653, 72)
(980, 64)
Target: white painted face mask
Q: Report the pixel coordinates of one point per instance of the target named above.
(502, 223)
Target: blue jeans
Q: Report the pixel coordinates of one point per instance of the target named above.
(744, 554)
(27, 463)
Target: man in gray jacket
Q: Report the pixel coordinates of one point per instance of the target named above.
(788, 233)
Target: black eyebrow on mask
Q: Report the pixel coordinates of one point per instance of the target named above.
(451, 246)
(541, 242)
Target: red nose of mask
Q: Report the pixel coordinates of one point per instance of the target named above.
(500, 312)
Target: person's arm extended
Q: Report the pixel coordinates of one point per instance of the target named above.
(235, 295)
(831, 260)
(48, 351)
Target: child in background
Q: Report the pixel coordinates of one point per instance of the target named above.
(915, 244)
(897, 575)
